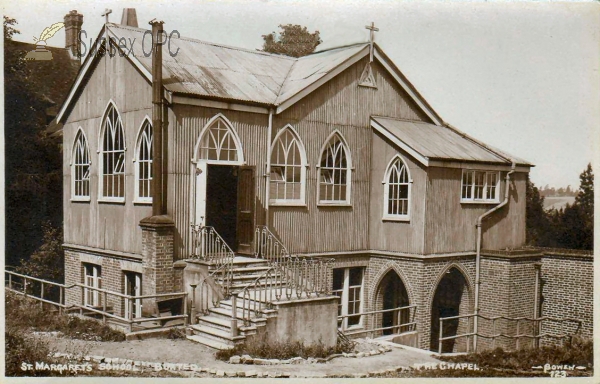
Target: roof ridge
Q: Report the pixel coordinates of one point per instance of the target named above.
(213, 44)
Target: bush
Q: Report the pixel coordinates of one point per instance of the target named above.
(284, 350)
(21, 348)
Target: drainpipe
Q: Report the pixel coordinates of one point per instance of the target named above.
(158, 197)
(268, 168)
(478, 254)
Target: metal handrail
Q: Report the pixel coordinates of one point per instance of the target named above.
(129, 299)
(411, 325)
(208, 245)
(536, 335)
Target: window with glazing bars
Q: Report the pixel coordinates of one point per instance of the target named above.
(113, 155)
(334, 173)
(347, 285)
(144, 160)
(287, 169)
(81, 167)
(480, 186)
(218, 143)
(397, 190)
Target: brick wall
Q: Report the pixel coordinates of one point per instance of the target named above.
(567, 291)
(111, 274)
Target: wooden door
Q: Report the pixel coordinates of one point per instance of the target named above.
(245, 210)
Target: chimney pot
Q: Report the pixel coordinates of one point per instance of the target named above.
(129, 17)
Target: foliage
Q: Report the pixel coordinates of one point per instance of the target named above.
(283, 350)
(571, 227)
(47, 262)
(500, 363)
(33, 160)
(25, 314)
(176, 333)
(293, 40)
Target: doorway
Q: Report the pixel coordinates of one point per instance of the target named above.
(133, 287)
(394, 296)
(225, 201)
(451, 295)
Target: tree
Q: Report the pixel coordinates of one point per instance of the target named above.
(48, 261)
(539, 228)
(293, 40)
(33, 161)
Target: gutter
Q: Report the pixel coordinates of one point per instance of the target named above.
(478, 252)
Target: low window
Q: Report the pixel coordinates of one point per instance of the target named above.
(92, 279)
(480, 186)
(348, 286)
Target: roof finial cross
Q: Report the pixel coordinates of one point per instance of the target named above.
(106, 13)
(371, 39)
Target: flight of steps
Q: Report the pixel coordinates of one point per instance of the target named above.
(214, 329)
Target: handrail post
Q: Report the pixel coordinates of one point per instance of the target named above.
(234, 328)
(518, 333)
(60, 299)
(130, 317)
(193, 306)
(440, 337)
(104, 307)
(185, 305)
(42, 295)
(494, 333)
(9, 280)
(25, 286)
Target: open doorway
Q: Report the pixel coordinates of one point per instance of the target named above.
(394, 295)
(451, 298)
(221, 200)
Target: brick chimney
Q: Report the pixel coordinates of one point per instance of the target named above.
(73, 22)
(129, 17)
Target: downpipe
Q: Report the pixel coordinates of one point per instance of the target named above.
(478, 252)
(268, 168)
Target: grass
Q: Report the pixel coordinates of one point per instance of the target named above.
(25, 314)
(500, 363)
(283, 350)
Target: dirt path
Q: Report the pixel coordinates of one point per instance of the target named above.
(185, 351)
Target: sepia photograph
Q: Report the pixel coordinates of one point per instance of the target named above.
(299, 189)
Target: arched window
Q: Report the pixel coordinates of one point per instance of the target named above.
(143, 169)
(334, 172)
(288, 168)
(80, 171)
(218, 142)
(397, 191)
(112, 156)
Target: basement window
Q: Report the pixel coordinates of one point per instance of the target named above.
(348, 286)
(480, 186)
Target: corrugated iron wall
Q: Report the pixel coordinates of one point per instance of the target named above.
(111, 226)
(339, 104)
(184, 131)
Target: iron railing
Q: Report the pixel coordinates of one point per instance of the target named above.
(288, 277)
(534, 336)
(209, 246)
(14, 280)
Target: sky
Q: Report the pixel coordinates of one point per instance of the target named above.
(522, 77)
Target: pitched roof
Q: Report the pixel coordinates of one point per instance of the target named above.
(217, 71)
(428, 142)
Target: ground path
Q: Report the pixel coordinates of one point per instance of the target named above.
(185, 351)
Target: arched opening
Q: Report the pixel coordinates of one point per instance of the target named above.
(393, 294)
(451, 298)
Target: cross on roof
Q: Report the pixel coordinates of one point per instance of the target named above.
(106, 13)
(371, 38)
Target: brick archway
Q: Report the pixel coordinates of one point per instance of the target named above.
(451, 296)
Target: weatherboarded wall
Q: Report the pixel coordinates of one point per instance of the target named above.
(341, 105)
(111, 226)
